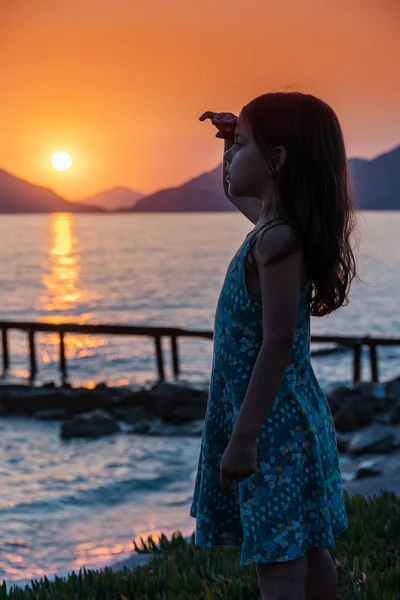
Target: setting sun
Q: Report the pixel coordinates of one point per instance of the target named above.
(61, 161)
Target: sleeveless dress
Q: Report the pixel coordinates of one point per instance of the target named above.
(295, 499)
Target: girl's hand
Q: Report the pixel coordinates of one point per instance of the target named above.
(225, 123)
(239, 461)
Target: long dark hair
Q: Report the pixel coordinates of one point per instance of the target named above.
(313, 187)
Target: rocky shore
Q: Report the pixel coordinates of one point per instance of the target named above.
(366, 416)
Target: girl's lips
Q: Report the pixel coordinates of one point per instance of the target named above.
(228, 177)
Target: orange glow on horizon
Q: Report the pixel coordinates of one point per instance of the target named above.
(124, 98)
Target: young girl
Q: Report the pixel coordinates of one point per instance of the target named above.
(268, 477)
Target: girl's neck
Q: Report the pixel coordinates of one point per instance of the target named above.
(269, 210)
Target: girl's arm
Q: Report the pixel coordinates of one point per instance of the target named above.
(250, 207)
(280, 282)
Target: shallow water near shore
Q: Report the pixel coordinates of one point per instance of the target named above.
(65, 505)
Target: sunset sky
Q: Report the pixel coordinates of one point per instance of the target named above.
(120, 84)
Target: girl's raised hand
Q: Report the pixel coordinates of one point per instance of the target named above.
(225, 123)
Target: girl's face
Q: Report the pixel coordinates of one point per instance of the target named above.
(249, 174)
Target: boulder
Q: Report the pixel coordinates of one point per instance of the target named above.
(29, 401)
(345, 421)
(376, 439)
(395, 415)
(368, 468)
(142, 427)
(393, 390)
(354, 407)
(343, 441)
(174, 404)
(91, 425)
(177, 391)
(57, 414)
(132, 414)
(157, 427)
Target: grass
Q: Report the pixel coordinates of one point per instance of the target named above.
(367, 558)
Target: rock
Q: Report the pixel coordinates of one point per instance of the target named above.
(366, 469)
(342, 441)
(172, 403)
(102, 386)
(383, 418)
(176, 391)
(395, 415)
(132, 414)
(393, 390)
(32, 400)
(374, 440)
(50, 385)
(92, 425)
(345, 421)
(157, 427)
(57, 414)
(143, 427)
(353, 408)
(177, 412)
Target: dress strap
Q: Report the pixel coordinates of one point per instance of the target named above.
(269, 225)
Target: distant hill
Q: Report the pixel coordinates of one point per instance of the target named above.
(19, 196)
(375, 185)
(203, 193)
(114, 198)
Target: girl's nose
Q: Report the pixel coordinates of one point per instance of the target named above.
(227, 155)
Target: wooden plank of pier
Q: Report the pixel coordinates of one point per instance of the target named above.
(157, 333)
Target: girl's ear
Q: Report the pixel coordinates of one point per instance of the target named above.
(280, 152)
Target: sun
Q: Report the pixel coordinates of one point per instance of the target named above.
(61, 161)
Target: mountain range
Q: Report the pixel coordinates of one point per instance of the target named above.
(19, 196)
(114, 198)
(375, 185)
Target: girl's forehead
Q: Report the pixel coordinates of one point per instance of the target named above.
(242, 126)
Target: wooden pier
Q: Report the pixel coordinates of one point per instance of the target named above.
(340, 344)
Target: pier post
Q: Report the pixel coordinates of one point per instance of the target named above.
(357, 362)
(6, 358)
(373, 356)
(159, 355)
(63, 362)
(175, 355)
(32, 353)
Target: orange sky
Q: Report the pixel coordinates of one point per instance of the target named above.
(119, 84)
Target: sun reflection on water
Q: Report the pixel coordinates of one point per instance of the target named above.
(64, 292)
(63, 282)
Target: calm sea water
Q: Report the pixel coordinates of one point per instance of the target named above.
(65, 505)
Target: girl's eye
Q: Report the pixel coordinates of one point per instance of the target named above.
(238, 144)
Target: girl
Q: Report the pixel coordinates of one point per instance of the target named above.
(268, 477)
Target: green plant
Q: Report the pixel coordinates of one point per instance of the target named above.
(367, 558)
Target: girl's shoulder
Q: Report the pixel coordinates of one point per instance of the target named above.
(273, 241)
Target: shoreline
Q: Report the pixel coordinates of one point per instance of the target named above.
(387, 480)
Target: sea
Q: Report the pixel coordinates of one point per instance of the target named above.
(68, 505)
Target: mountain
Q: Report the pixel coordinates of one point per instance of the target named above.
(375, 186)
(203, 193)
(114, 198)
(19, 196)
(376, 183)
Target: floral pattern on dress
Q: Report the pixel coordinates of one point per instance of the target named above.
(295, 499)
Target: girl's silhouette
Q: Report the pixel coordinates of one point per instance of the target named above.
(268, 476)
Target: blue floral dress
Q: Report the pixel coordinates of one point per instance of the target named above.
(295, 499)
